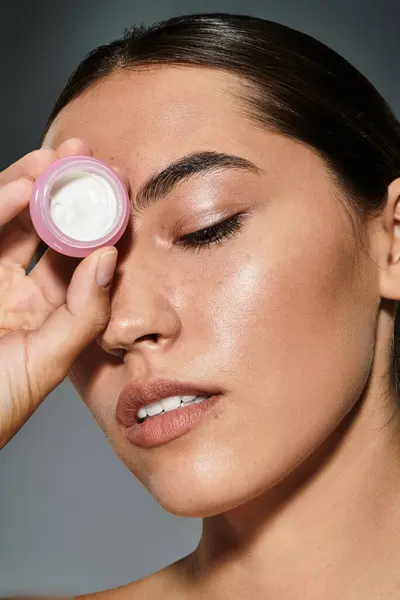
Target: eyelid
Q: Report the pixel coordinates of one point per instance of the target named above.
(213, 223)
(213, 234)
(186, 224)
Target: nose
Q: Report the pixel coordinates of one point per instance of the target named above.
(142, 315)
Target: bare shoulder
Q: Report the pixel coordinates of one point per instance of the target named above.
(136, 590)
(165, 583)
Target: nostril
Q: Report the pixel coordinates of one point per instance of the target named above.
(117, 352)
(113, 350)
(152, 337)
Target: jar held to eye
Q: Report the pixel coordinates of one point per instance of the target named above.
(79, 204)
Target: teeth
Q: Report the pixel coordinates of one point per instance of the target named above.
(154, 408)
(171, 403)
(141, 413)
(187, 398)
(166, 405)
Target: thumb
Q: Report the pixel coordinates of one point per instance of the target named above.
(53, 348)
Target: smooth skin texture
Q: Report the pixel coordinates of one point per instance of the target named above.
(297, 473)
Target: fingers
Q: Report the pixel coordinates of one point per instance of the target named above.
(54, 347)
(74, 146)
(14, 197)
(30, 165)
(18, 239)
(78, 146)
(53, 274)
(53, 271)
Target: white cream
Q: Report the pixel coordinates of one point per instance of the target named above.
(83, 205)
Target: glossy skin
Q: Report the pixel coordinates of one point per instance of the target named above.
(284, 316)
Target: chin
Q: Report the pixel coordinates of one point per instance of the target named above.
(198, 503)
(196, 485)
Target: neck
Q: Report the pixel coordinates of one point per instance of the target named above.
(329, 530)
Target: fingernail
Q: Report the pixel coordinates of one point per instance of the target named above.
(106, 267)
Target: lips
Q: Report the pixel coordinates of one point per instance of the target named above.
(139, 393)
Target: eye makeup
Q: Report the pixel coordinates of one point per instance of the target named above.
(213, 234)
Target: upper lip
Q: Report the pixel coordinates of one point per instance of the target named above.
(139, 393)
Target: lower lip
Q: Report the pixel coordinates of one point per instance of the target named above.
(168, 426)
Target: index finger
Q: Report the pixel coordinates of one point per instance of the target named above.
(33, 163)
(74, 146)
(30, 165)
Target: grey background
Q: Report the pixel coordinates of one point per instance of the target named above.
(72, 517)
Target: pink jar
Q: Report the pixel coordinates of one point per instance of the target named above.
(79, 204)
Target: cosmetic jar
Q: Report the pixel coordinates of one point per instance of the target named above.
(79, 204)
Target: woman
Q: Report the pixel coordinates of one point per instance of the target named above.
(260, 272)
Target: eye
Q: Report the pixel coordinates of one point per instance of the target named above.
(214, 234)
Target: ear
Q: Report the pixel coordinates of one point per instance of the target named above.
(389, 245)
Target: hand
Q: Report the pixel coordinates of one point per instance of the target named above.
(49, 316)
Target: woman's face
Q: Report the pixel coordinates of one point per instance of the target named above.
(277, 315)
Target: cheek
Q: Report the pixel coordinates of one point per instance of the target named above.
(284, 329)
(283, 309)
(287, 331)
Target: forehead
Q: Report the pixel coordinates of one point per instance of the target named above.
(154, 107)
(145, 119)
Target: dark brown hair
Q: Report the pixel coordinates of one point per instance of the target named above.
(292, 84)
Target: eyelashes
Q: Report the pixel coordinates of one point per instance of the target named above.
(214, 234)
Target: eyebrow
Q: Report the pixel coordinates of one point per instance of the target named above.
(162, 183)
